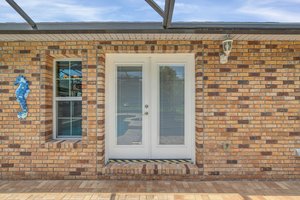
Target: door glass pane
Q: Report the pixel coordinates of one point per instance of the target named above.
(171, 103)
(129, 105)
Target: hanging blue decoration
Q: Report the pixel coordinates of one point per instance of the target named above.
(22, 94)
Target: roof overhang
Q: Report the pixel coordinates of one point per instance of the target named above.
(278, 31)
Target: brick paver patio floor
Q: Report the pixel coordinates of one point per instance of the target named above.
(147, 190)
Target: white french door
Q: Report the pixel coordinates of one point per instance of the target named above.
(150, 106)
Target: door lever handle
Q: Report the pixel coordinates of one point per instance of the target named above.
(146, 113)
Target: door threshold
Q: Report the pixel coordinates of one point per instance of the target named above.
(169, 161)
(138, 168)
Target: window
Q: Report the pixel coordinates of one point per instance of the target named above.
(68, 99)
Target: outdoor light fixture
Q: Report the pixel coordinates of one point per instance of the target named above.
(227, 46)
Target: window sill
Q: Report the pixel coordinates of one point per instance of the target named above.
(64, 144)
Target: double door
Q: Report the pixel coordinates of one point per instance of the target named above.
(149, 106)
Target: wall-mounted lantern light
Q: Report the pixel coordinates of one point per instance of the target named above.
(227, 47)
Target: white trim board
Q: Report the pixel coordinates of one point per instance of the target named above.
(150, 36)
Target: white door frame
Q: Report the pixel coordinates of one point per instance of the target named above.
(148, 61)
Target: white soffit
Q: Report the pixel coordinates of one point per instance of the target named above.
(141, 36)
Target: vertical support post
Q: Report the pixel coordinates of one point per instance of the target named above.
(23, 14)
(169, 8)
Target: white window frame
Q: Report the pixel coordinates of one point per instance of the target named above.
(56, 99)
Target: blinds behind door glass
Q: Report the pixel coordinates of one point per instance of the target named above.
(171, 105)
(129, 105)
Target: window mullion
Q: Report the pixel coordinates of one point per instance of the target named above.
(69, 78)
(71, 114)
(68, 98)
(56, 117)
(71, 125)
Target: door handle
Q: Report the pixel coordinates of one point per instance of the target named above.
(146, 113)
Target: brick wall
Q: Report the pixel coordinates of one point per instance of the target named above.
(252, 104)
(247, 111)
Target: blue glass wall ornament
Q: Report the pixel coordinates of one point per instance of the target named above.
(22, 94)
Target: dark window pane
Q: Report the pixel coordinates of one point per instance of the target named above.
(62, 88)
(63, 109)
(62, 69)
(64, 127)
(76, 69)
(76, 89)
(76, 108)
(76, 127)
